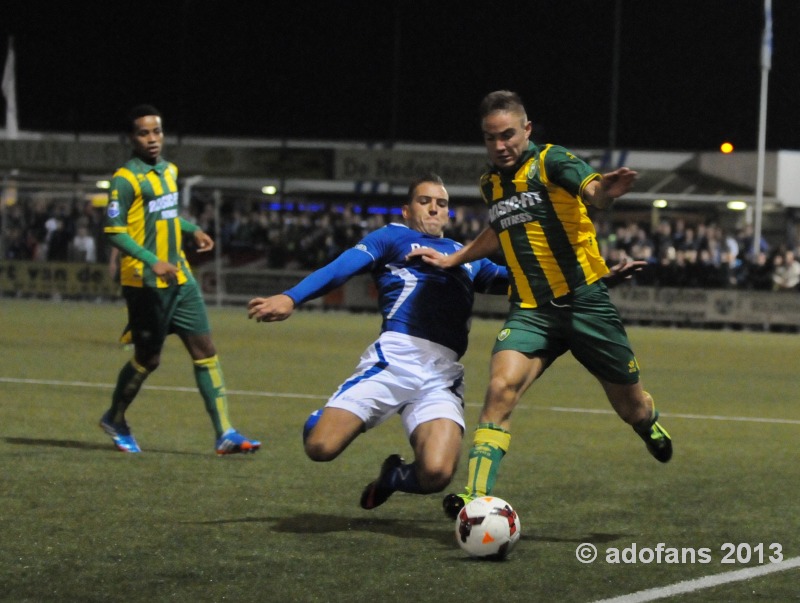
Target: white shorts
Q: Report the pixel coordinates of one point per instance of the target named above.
(400, 374)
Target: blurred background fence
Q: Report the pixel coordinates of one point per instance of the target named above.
(279, 210)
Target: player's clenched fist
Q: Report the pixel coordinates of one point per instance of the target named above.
(270, 309)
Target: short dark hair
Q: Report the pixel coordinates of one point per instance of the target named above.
(137, 112)
(429, 177)
(502, 100)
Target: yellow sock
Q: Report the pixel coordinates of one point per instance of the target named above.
(489, 445)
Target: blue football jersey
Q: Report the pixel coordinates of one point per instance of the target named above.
(414, 297)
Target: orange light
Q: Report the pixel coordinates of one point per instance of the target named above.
(726, 147)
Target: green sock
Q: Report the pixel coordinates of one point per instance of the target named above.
(210, 382)
(129, 382)
(489, 446)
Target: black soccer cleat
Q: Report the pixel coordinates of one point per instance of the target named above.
(375, 494)
(453, 503)
(657, 440)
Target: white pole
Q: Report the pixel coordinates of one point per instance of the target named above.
(766, 63)
(10, 92)
(217, 194)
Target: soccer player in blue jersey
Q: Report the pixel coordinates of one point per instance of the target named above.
(143, 222)
(537, 199)
(412, 370)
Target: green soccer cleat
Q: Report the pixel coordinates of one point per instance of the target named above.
(658, 442)
(453, 503)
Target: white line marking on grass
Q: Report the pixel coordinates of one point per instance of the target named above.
(606, 411)
(265, 394)
(689, 586)
(163, 388)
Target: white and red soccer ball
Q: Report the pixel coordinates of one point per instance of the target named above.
(488, 527)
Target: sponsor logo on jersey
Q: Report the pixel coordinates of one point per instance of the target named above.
(165, 202)
(113, 209)
(513, 205)
(511, 211)
(518, 219)
(503, 335)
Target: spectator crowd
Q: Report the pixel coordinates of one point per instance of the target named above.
(306, 235)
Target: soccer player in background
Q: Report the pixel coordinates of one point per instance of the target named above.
(536, 197)
(162, 296)
(412, 370)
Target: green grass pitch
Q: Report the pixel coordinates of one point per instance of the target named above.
(83, 522)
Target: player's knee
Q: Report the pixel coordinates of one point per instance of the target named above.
(320, 451)
(435, 478)
(501, 399)
(150, 364)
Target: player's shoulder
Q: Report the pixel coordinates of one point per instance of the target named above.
(556, 152)
(130, 166)
(125, 176)
(486, 177)
(389, 232)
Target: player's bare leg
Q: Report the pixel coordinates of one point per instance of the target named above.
(335, 429)
(635, 406)
(512, 373)
(437, 445)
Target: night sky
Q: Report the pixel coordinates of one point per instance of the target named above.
(688, 75)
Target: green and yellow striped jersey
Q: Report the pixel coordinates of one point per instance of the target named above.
(144, 203)
(547, 238)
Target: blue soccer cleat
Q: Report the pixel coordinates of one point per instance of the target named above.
(233, 442)
(120, 434)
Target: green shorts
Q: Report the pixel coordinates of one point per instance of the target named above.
(155, 313)
(584, 322)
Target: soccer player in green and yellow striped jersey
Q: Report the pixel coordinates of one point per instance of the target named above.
(537, 200)
(143, 221)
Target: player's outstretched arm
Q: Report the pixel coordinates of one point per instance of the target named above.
(601, 192)
(270, 309)
(321, 281)
(484, 245)
(623, 270)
